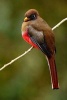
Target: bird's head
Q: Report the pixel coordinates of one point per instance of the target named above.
(30, 15)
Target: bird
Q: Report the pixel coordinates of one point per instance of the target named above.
(39, 34)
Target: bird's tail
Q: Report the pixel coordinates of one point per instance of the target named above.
(53, 72)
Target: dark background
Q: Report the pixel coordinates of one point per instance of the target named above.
(29, 78)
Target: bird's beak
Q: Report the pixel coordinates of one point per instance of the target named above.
(26, 19)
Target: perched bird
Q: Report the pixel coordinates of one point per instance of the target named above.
(38, 33)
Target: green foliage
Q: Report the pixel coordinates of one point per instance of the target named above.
(28, 78)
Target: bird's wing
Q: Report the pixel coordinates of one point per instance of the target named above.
(38, 38)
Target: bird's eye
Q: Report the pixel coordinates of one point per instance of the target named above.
(32, 17)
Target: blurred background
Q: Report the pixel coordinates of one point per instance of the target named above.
(29, 77)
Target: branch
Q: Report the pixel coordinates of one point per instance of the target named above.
(12, 61)
(16, 58)
(62, 21)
